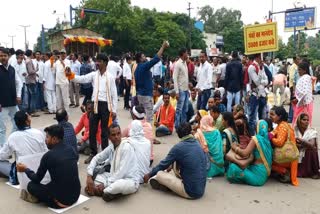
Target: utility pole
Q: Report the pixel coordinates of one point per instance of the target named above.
(190, 24)
(25, 35)
(12, 36)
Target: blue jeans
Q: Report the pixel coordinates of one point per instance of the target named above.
(4, 114)
(256, 107)
(5, 167)
(32, 94)
(203, 99)
(290, 116)
(162, 131)
(40, 96)
(182, 108)
(24, 98)
(230, 97)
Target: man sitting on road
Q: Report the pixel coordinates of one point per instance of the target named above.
(83, 144)
(69, 136)
(25, 141)
(138, 113)
(61, 162)
(189, 158)
(165, 118)
(120, 159)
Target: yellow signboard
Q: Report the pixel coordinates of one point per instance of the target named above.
(261, 38)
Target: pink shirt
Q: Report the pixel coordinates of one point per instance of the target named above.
(280, 79)
(148, 133)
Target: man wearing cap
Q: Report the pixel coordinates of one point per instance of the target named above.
(62, 83)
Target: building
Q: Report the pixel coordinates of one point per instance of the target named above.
(78, 40)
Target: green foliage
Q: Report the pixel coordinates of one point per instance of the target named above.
(225, 22)
(135, 29)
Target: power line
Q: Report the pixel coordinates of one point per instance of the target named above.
(25, 35)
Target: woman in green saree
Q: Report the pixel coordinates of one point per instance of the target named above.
(211, 142)
(257, 173)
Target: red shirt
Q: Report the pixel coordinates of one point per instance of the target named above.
(84, 123)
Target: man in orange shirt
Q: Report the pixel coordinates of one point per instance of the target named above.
(165, 118)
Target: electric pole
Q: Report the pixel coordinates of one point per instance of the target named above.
(190, 24)
(25, 35)
(12, 36)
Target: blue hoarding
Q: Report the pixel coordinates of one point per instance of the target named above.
(300, 19)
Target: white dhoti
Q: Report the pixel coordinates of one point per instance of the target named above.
(121, 186)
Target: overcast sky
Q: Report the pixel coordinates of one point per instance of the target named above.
(22, 12)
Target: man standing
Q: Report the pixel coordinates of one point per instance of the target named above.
(181, 83)
(157, 73)
(10, 96)
(119, 179)
(222, 76)
(127, 75)
(62, 83)
(143, 79)
(105, 100)
(204, 81)
(234, 81)
(86, 89)
(293, 70)
(188, 155)
(39, 65)
(21, 70)
(216, 72)
(256, 92)
(50, 84)
(74, 88)
(31, 82)
(61, 163)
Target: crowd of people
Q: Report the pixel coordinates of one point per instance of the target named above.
(229, 114)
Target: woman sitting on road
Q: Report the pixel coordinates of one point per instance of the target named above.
(211, 142)
(257, 173)
(306, 138)
(287, 171)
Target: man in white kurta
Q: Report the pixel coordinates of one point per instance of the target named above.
(49, 79)
(123, 177)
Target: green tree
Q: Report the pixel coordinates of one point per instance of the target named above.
(282, 53)
(225, 22)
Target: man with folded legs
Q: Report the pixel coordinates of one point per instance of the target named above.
(190, 162)
(113, 172)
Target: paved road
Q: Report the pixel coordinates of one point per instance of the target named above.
(220, 196)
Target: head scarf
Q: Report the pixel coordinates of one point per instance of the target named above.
(137, 114)
(206, 125)
(136, 130)
(262, 141)
(309, 134)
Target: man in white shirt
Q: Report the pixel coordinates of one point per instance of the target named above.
(216, 72)
(122, 178)
(157, 73)
(181, 86)
(127, 76)
(21, 70)
(25, 141)
(204, 84)
(74, 88)
(105, 100)
(49, 80)
(38, 63)
(114, 69)
(62, 83)
(258, 80)
(221, 77)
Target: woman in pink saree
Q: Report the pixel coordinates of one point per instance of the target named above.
(303, 102)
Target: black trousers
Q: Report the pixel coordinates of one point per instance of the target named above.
(42, 193)
(127, 94)
(103, 117)
(87, 92)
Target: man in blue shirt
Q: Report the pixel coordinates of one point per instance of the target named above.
(190, 159)
(143, 78)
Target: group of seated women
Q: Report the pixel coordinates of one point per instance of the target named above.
(258, 152)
